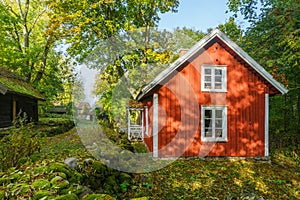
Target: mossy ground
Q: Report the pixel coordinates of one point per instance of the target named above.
(183, 179)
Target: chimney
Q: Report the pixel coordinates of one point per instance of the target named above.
(182, 52)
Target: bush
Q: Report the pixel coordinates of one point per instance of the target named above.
(55, 126)
(19, 144)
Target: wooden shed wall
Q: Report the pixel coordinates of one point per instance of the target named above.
(5, 110)
(181, 98)
(23, 103)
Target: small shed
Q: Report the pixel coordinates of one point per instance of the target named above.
(212, 101)
(17, 97)
(85, 111)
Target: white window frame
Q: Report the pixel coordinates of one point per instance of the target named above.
(224, 124)
(213, 68)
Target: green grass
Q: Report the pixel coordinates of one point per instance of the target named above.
(193, 178)
(205, 179)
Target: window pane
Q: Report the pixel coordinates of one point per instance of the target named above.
(218, 79)
(218, 71)
(207, 71)
(207, 78)
(208, 123)
(207, 85)
(218, 123)
(218, 86)
(219, 114)
(219, 132)
(208, 114)
(208, 133)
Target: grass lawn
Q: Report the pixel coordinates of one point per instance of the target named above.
(202, 179)
(195, 178)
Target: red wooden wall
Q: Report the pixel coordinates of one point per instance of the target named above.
(180, 100)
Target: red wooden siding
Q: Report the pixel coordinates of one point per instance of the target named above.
(181, 98)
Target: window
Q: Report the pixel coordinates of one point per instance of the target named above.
(213, 78)
(214, 124)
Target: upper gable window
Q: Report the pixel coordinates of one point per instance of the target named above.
(213, 78)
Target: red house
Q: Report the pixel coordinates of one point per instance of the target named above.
(212, 101)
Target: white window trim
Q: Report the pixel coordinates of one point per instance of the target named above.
(266, 124)
(224, 119)
(224, 77)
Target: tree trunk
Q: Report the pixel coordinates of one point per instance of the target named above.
(41, 71)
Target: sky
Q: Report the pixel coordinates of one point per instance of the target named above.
(197, 14)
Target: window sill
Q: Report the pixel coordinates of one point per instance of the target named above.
(213, 140)
(214, 91)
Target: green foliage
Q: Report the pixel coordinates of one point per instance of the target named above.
(84, 24)
(50, 126)
(273, 40)
(183, 179)
(41, 184)
(18, 144)
(98, 197)
(232, 30)
(29, 47)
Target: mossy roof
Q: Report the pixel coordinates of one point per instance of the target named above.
(10, 82)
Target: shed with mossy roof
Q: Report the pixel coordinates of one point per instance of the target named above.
(17, 97)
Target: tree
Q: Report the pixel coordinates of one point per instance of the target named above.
(29, 46)
(25, 26)
(85, 23)
(129, 66)
(91, 27)
(273, 39)
(232, 30)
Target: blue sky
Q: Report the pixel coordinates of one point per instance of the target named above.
(197, 14)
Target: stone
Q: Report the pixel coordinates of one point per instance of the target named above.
(125, 178)
(71, 162)
(60, 167)
(88, 161)
(98, 197)
(67, 197)
(41, 184)
(40, 194)
(59, 183)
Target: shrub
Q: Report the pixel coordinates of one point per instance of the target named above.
(19, 144)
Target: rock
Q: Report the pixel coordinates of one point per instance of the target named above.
(60, 167)
(249, 196)
(40, 194)
(100, 168)
(110, 186)
(83, 191)
(79, 190)
(41, 184)
(61, 174)
(125, 178)
(88, 161)
(21, 189)
(98, 197)
(76, 178)
(41, 170)
(71, 162)
(59, 183)
(67, 197)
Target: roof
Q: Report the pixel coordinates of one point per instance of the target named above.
(12, 83)
(83, 104)
(216, 33)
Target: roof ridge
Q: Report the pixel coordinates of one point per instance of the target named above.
(204, 41)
